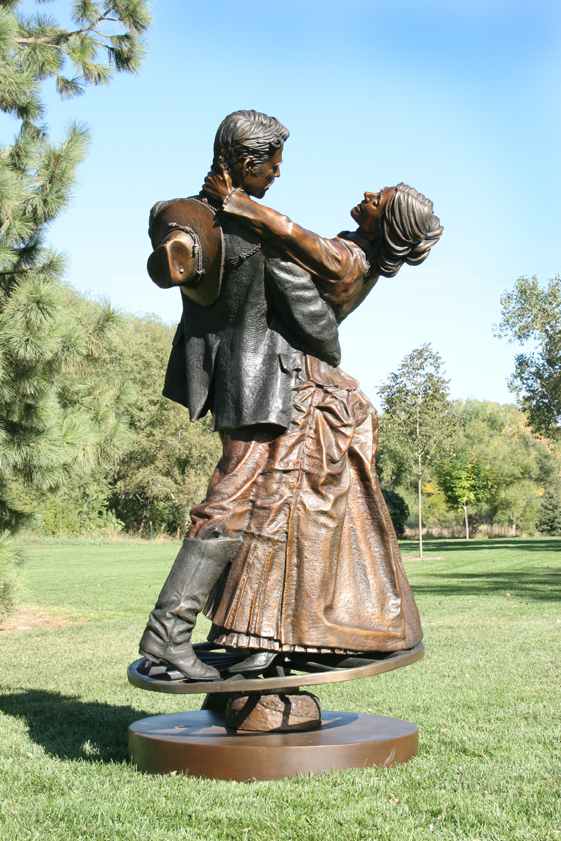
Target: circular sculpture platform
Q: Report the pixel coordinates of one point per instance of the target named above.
(198, 744)
(296, 672)
(293, 738)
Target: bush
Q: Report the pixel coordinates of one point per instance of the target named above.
(166, 471)
(10, 558)
(80, 508)
(549, 518)
(399, 510)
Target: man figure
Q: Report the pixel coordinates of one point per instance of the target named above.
(236, 353)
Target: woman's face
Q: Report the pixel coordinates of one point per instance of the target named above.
(368, 213)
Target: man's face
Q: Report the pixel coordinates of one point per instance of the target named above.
(256, 178)
(368, 213)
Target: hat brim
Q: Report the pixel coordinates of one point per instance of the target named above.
(194, 216)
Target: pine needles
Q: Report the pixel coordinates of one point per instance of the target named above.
(44, 436)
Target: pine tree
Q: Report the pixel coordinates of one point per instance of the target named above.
(42, 437)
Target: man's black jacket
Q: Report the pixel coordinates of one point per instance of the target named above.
(237, 358)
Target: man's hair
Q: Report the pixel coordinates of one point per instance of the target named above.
(410, 229)
(247, 133)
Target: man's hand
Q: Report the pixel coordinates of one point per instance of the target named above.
(218, 183)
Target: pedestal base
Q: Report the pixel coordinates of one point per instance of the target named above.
(198, 744)
(284, 712)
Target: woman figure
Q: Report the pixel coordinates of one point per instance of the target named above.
(319, 569)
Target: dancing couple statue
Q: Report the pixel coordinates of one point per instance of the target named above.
(293, 549)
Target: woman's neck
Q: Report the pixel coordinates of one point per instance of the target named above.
(369, 246)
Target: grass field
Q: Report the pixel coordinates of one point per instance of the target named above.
(487, 700)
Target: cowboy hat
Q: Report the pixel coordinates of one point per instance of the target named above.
(188, 249)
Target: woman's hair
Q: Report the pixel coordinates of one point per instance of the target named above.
(247, 133)
(410, 229)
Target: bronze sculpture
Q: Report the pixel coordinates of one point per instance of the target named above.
(293, 549)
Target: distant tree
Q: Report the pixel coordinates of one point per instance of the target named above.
(418, 423)
(518, 504)
(42, 439)
(148, 463)
(437, 514)
(531, 315)
(516, 463)
(498, 443)
(549, 518)
(464, 482)
(93, 388)
(164, 474)
(166, 466)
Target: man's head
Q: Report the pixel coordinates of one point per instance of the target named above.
(249, 145)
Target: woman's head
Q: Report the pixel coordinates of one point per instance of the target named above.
(402, 223)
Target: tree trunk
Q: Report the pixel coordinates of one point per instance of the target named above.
(420, 490)
(466, 521)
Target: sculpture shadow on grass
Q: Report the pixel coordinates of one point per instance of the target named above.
(536, 584)
(501, 544)
(531, 583)
(69, 728)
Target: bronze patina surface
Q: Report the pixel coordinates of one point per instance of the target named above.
(292, 554)
(318, 567)
(285, 712)
(299, 671)
(188, 249)
(203, 743)
(198, 744)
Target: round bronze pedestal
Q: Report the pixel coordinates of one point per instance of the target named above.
(198, 744)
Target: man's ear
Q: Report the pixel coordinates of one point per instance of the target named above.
(248, 165)
(219, 165)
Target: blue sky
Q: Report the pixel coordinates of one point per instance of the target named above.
(461, 101)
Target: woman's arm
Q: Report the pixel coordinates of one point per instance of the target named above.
(300, 313)
(332, 259)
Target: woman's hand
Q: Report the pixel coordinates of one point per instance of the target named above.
(218, 183)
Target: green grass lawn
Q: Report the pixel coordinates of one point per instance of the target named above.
(487, 700)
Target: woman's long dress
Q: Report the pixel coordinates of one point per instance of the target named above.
(319, 568)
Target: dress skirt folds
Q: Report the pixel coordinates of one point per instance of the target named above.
(319, 568)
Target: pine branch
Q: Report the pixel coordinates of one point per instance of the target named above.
(8, 31)
(39, 48)
(19, 92)
(69, 87)
(55, 175)
(58, 37)
(85, 11)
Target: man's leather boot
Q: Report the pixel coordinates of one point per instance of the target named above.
(167, 636)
